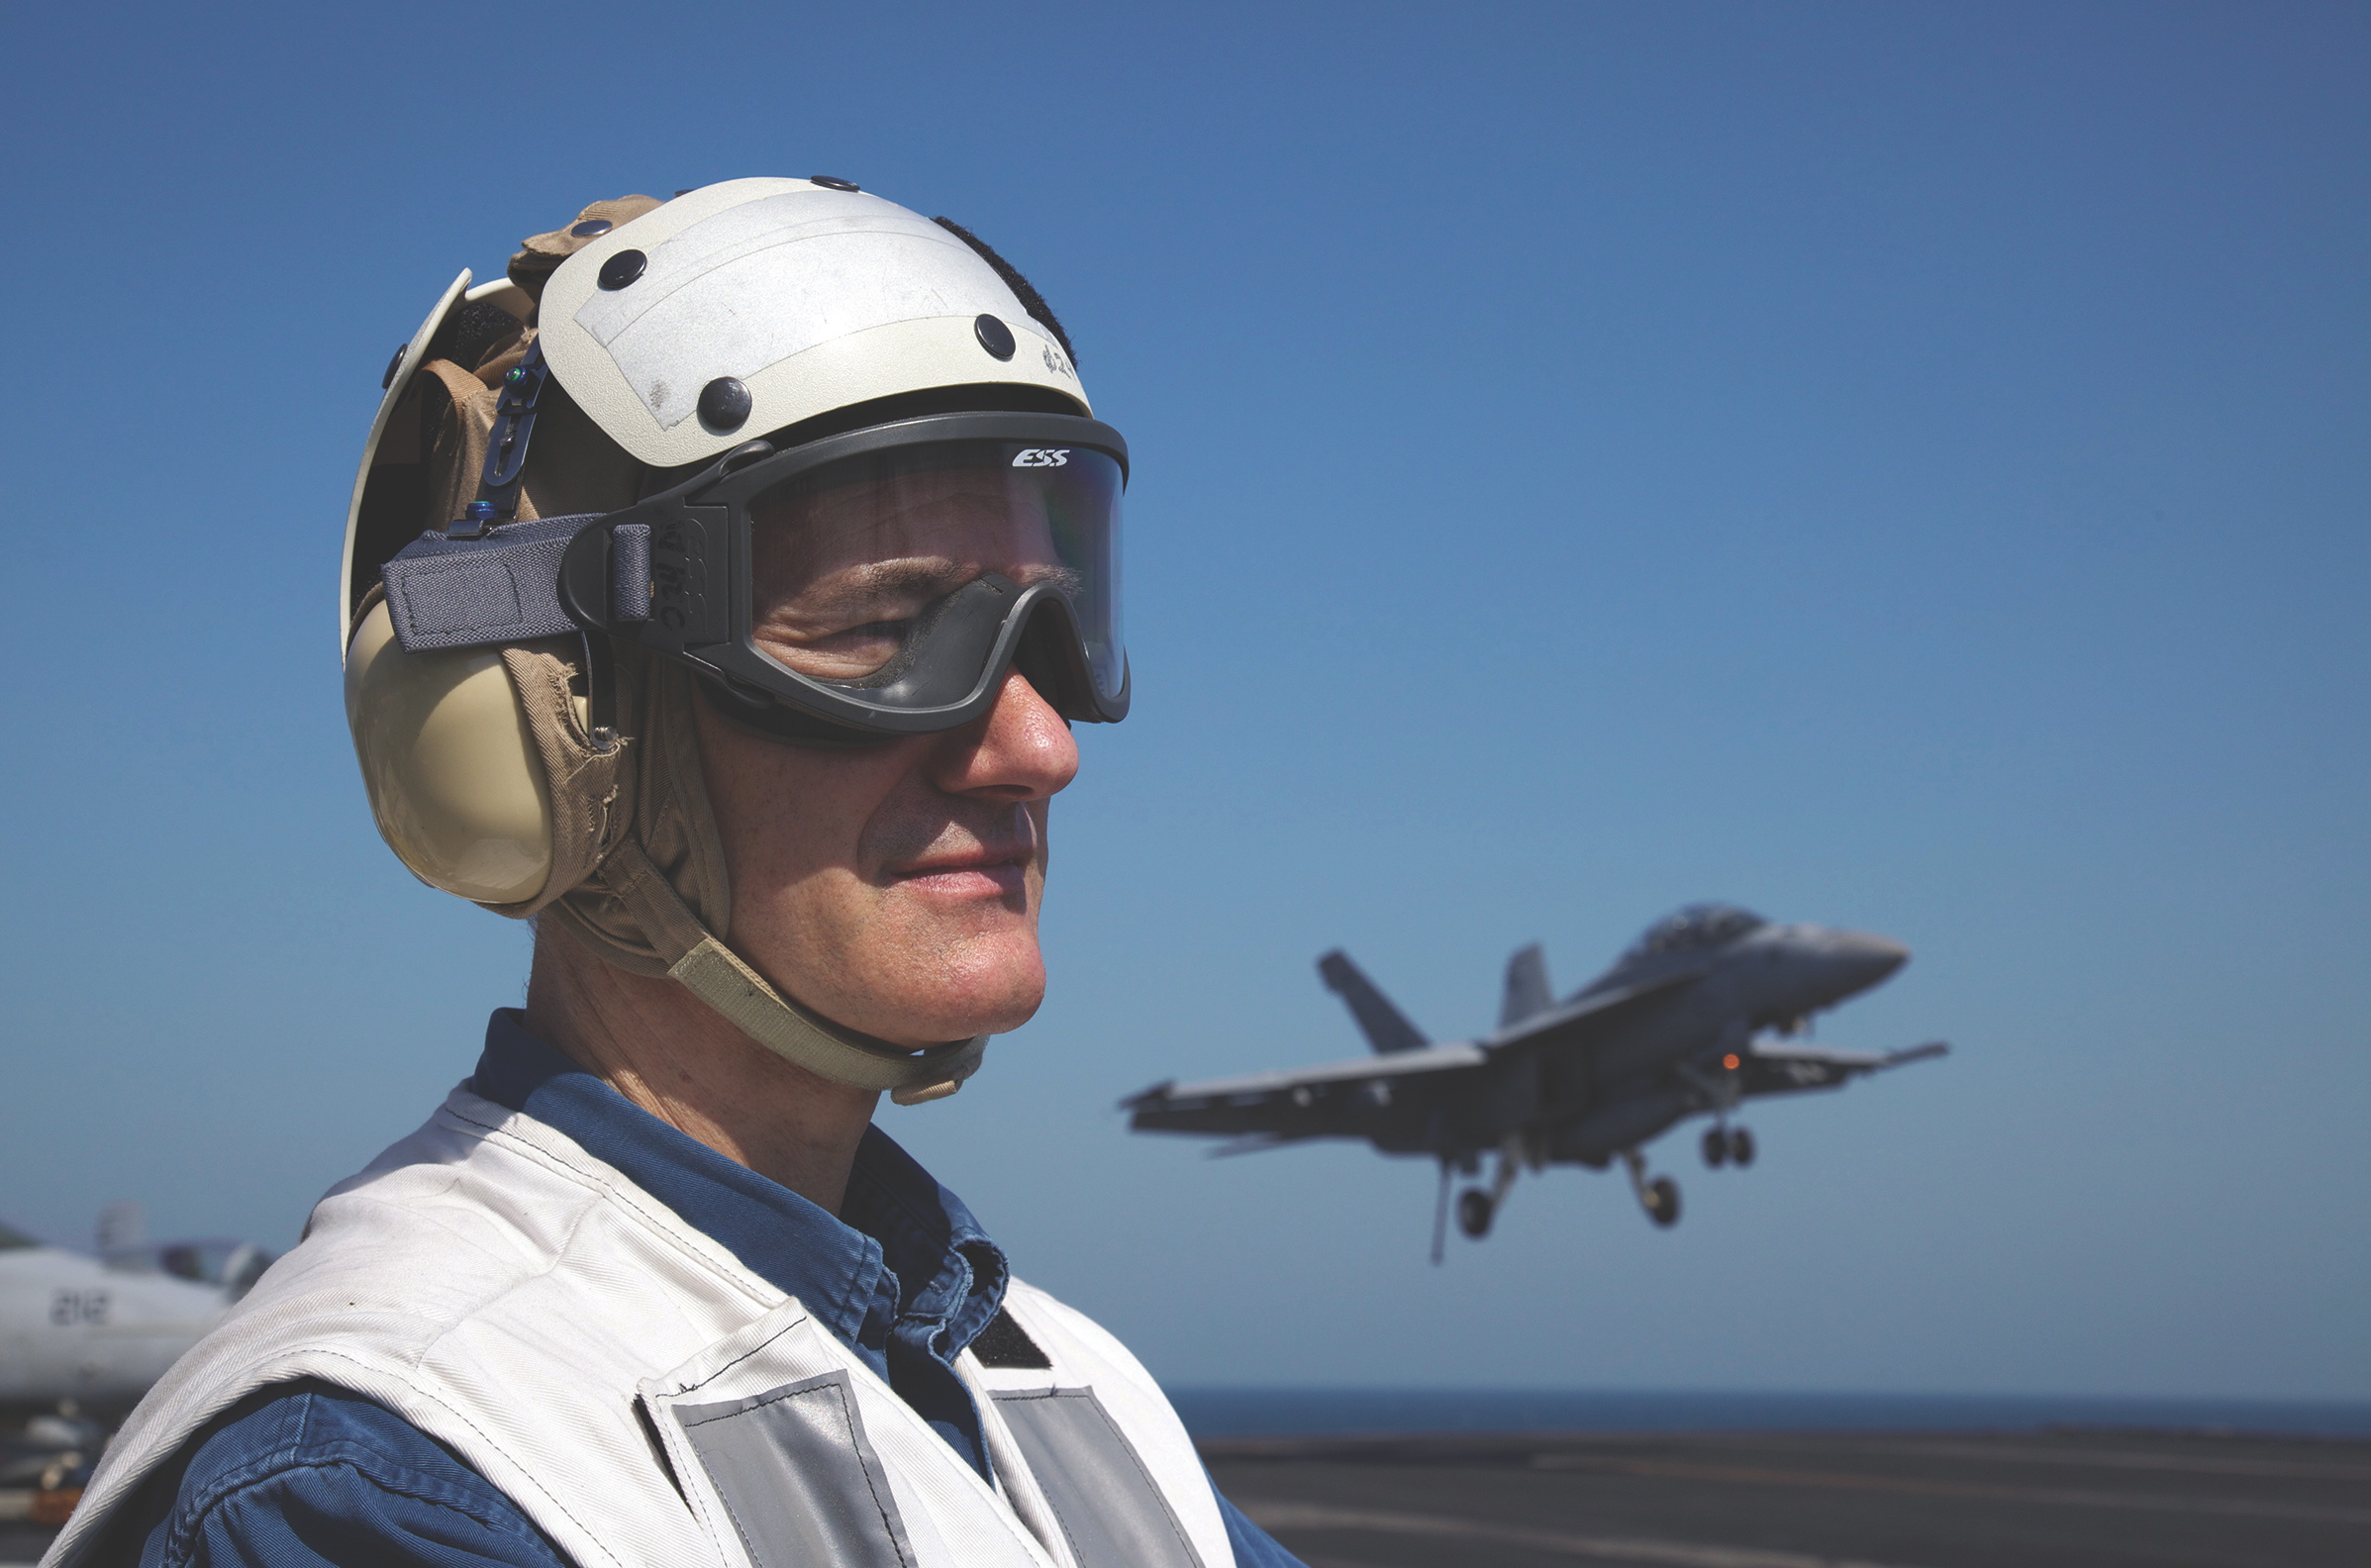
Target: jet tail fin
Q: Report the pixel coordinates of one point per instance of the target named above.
(1526, 987)
(121, 1227)
(1387, 1028)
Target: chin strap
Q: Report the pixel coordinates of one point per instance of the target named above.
(718, 976)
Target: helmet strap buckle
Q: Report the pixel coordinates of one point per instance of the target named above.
(506, 448)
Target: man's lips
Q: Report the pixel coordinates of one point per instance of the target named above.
(989, 869)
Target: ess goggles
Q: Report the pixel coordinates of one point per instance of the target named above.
(867, 585)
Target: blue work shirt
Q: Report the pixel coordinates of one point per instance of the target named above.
(307, 1474)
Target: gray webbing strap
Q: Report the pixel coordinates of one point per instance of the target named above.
(454, 592)
(716, 974)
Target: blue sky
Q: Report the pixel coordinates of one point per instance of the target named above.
(1899, 466)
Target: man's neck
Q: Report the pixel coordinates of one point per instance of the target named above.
(660, 1046)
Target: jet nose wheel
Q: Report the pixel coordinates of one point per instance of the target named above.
(1473, 1213)
(1661, 1199)
(1740, 1147)
(1716, 1148)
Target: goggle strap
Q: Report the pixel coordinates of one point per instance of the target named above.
(501, 586)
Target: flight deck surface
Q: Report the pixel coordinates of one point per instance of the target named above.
(2054, 1499)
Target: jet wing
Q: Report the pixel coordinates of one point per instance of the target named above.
(1335, 1100)
(1582, 1017)
(1772, 1067)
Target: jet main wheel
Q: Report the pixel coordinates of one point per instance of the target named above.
(1740, 1147)
(1716, 1148)
(1661, 1199)
(1473, 1213)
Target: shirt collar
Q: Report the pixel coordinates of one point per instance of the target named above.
(905, 1261)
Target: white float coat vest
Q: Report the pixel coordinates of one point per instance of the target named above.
(645, 1399)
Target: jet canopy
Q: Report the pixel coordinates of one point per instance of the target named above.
(1696, 926)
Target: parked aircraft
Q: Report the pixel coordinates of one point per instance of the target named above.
(87, 1334)
(1675, 1028)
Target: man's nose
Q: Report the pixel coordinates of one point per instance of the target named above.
(1021, 749)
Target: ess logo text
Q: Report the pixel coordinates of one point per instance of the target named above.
(1042, 457)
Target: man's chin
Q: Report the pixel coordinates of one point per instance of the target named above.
(915, 1029)
(985, 987)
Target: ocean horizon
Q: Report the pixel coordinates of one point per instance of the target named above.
(1276, 1411)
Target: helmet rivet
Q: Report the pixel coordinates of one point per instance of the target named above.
(724, 404)
(394, 365)
(623, 268)
(591, 227)
(833, 182)
(994, 335)
(480, 510)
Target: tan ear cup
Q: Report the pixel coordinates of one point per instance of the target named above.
(450, 765)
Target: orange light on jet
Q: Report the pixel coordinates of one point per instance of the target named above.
(1730, 1062)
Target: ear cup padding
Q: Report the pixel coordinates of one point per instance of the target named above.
(450, 765)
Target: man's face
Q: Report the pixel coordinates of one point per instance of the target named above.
(895, 888)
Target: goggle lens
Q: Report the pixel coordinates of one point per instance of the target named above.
(848, 560)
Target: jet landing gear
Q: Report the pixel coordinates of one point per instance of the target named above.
(1477, 1206)
(1659, 1196)
(1727, 1146)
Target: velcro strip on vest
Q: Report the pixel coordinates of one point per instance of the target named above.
(503, 587)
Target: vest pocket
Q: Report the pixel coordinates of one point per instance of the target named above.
(795, 1473)
(1110, 1511)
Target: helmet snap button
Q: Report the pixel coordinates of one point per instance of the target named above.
(724, 404)
(623, 268)
(994, 335)
(833, 182)
(591, 227)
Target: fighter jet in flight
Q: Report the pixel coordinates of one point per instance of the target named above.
(1680, 1025)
